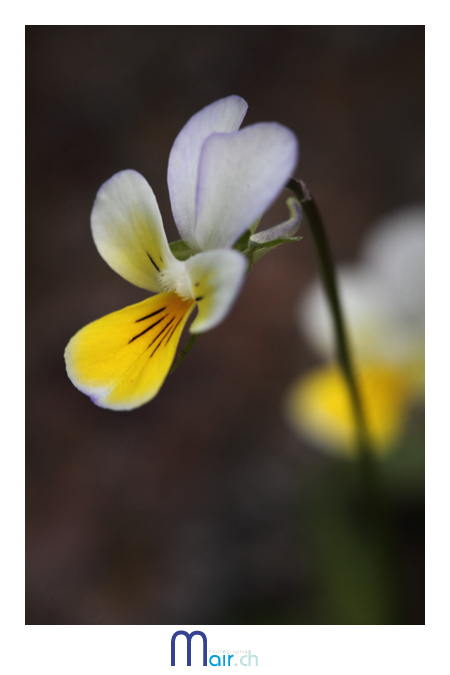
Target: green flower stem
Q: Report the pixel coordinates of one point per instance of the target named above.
(380, 529)
(189, 344)
(343, 351)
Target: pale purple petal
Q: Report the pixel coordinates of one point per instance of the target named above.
(225, 115)
(240, 175)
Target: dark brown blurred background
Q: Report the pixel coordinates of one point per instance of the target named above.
(194, 508)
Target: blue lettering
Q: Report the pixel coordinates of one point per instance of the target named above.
(243, 657)
(252, 656)
(188, 637)
(215, 656)
(230, 656)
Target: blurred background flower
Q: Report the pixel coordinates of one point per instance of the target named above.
(203, 506)
(383, 299)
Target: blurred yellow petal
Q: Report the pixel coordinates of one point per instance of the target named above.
(318, 406)
(416, 372)
(122, 360)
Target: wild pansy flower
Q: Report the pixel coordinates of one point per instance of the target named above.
(220, 181)
(384, 308)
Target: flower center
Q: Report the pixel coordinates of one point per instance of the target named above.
(175, 278)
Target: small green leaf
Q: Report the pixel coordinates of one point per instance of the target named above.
(180, 250)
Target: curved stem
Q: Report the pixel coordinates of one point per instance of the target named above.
(376, 505)
(325, 260)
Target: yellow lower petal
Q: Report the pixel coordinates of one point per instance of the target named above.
(122, 360)
(319, 407)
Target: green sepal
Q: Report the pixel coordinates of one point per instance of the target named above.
(285, 230)
(257, 251)
(180, 250)
(254, 226)
(243, 241)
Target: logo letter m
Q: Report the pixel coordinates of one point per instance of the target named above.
(189, 637)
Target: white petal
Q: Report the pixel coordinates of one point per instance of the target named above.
(128, 230)
(225, 115)
(396, 249)
(240, 175)
(367, 313)
(216, 278)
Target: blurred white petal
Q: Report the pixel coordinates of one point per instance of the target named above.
(396, 249)
(382, 297)
(366, 308)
